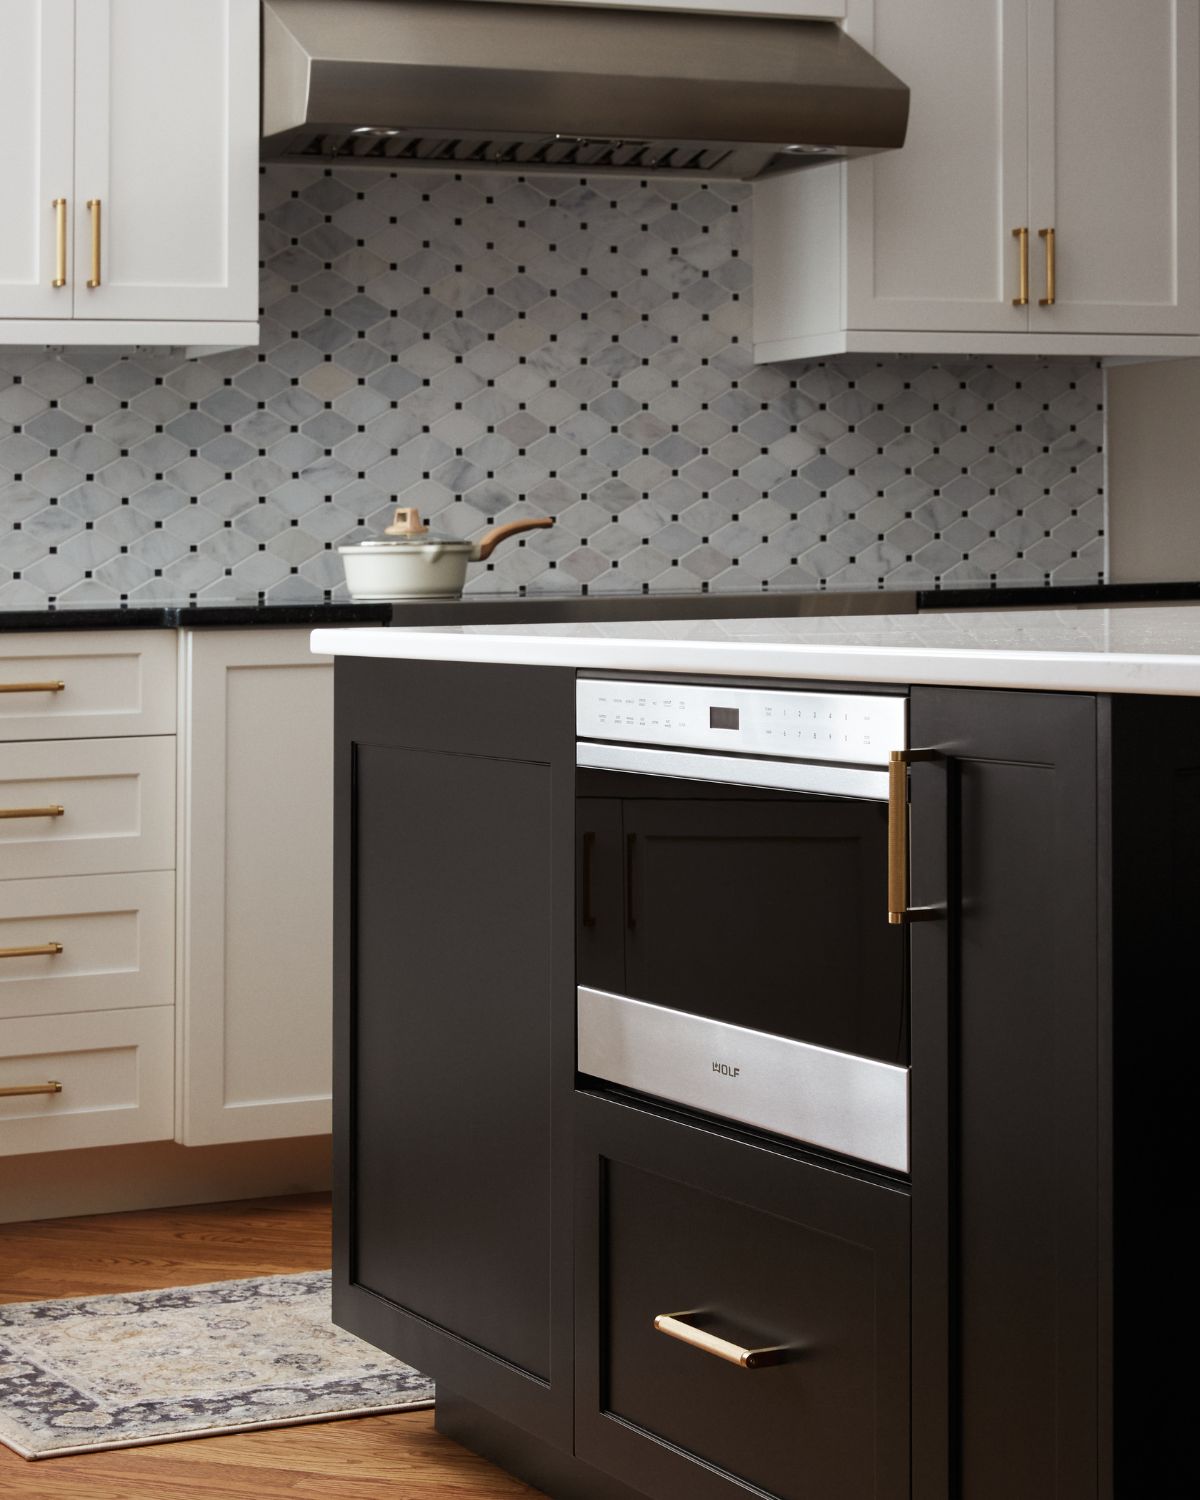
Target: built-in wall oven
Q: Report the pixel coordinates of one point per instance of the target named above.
(742, 905)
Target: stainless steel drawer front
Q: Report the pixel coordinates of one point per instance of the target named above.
(734, 770)
(853, 1105)
(855, 728)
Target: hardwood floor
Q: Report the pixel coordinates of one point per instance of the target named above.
(399, 1457)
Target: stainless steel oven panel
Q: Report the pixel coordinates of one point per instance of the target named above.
(777, 775)
(858, 728)
(852, 1105)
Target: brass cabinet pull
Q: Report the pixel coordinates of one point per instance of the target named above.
(94, 208)
(1049, 299)
(674, 1327)
(60, 242)
(1022, 238)
(899, 911)
(52, 1086)
(53, 811)
(32, 687)
(32, 950)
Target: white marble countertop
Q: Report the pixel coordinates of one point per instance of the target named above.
(1133, 650)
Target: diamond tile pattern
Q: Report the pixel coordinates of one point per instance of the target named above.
(489, 347)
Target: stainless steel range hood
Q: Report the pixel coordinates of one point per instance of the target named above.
(553, 88)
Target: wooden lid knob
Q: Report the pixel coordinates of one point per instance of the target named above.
(407, 522)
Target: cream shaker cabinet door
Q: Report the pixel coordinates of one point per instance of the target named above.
(929, 240)
(255, 872)
(918, 241)
(37, 81)
(1114, 165)
(166, 159)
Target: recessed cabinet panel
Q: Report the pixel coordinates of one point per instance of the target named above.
(86, 684)
(115, 940)
(1115, 165)
(114, 1068)
(452, 1136)
(81, 807)
(932, 245)
(166, 145)
(256, 992)
(37, 57)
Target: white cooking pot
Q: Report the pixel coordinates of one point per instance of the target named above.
(409, 562)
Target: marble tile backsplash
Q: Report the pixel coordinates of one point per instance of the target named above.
(488, 347)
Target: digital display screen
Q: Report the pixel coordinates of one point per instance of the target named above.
(724, 718)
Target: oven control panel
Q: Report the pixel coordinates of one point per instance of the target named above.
(855, 728)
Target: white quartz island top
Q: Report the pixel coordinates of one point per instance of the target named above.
(1138, 650)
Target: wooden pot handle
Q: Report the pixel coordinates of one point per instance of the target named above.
(489, 542)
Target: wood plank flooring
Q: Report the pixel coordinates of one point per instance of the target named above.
(397, 1457)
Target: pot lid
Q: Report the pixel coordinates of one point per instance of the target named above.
(409, 533)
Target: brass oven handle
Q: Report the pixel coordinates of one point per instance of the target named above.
(1049, 299)
(674, 1327)
(32, 687)
(55, 810)
(899, 911)
(52, 1086)
(94, 208)
(60, 242)
(1022, 238)
(32, 950)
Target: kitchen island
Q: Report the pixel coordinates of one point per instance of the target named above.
(516, 1221)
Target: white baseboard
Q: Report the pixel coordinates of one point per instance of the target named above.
(159, 1174)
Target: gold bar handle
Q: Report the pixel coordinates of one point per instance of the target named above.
(53, 811)
(52, 1086)
(60, 242)
(899, 911)
(1049, 299)
(1022, 238)
(32, 687)
(32, 950)
(94, 208)
(674, 1327)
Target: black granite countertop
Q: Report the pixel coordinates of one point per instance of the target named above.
(513, 609)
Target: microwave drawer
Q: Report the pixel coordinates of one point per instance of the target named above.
(837, 1101)
(697, 1252)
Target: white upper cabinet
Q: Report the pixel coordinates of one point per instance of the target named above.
(1115, 164)
(37, 64)
(141, 192)
(166, 141)
(1073, 117)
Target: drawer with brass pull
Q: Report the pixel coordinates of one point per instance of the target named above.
(88, 942)
(78, 684)
(100, 1078)
(74, 807)
(742, 1316)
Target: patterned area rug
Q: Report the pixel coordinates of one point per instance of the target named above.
(85, 1373)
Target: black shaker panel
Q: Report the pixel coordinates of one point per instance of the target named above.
(761, 1251)
(452, 1121)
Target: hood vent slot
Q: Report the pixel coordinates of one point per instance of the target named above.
(370, 147)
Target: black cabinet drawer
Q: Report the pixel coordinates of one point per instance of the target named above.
(762, 1250)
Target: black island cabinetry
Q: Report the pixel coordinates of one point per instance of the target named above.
(513, 1228)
